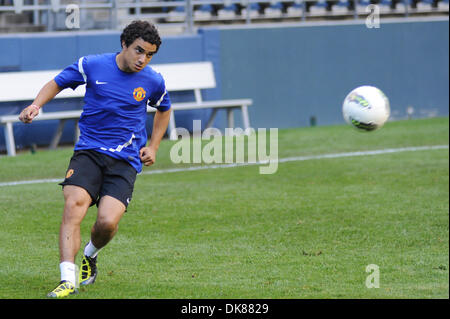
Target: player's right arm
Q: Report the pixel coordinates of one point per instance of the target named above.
(72, 76)
(46, 94)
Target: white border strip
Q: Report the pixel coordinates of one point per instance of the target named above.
(283, 160)
(81, 69)
(364, 153)
(36, 181)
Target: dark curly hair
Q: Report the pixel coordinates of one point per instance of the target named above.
(140, 29)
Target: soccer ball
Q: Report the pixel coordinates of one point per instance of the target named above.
(366, 108)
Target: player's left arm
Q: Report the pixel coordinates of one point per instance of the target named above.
(160, 123)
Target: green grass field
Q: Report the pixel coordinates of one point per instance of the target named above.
(307, 231)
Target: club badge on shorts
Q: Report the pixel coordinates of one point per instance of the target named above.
(69, 173)
(139, 94)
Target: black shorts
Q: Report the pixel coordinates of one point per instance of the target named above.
(100, 175)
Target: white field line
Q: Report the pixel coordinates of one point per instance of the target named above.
(282, 160)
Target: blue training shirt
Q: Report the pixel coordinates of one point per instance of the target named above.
(115, 110)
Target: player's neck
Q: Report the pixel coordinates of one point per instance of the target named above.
(121, 64)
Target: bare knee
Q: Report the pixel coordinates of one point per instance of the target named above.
(106, 226)
(110, 211)
(76, 204)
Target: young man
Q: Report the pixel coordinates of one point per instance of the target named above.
(112, 144)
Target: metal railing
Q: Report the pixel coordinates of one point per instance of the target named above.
(186, 14)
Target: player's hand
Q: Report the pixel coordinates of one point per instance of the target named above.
(29, 113)
(147, 156)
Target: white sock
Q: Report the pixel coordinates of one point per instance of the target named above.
(68, 271)
(90, 250)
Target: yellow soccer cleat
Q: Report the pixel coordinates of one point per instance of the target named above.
(88, 271)
(64, 289)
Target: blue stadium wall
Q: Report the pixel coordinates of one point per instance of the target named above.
(292, 73)
(295, 73)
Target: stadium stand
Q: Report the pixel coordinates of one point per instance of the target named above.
(362, 5)
(424, 5)
(252, 11)
(403, 6)
(274, 10)
(51, 15)
(341, 7)
(203, 12)
(228, 11)
(23, 86)
(385, 6)
(177, 13)
(297, 9)
(319, 8)
(443, 5)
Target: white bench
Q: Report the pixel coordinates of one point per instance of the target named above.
(195, 76)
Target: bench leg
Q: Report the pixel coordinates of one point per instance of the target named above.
(9, 138)
(172, 128)
(57, 137)
(77, 132)
(245, 118)
(211, 118)
(230, 118)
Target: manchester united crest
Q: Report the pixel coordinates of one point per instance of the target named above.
(69, 173)
(139, 94)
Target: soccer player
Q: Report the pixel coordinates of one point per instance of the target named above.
(112, 144)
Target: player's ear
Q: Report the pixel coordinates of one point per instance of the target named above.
(124, 46)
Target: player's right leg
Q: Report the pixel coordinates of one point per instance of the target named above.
(80, 189)
(77, 201)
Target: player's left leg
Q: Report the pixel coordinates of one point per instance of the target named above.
(115, 195)
(110, 211)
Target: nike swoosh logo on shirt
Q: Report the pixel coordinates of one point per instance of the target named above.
(98, 82)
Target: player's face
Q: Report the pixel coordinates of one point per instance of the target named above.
(138, 54)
